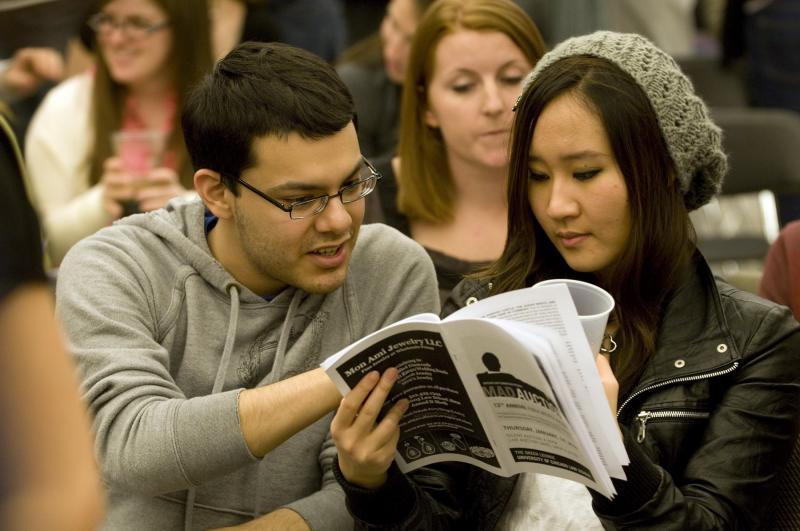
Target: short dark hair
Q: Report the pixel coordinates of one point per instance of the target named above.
(257, 90)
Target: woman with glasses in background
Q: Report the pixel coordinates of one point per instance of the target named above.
(446, 187)
(148, 53)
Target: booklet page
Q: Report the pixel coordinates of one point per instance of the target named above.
(551, 306)
(498, 359)
(441, 423)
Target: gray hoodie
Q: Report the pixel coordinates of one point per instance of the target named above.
(166, 339)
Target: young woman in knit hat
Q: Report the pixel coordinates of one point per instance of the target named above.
(611, 149)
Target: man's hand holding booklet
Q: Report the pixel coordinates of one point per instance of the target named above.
(508, 384)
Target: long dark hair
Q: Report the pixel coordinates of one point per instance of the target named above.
(190, 59)
(661, 240)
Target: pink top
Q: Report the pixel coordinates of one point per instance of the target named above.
(142, 148)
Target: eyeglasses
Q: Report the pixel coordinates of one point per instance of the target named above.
(367, 180)
(132, 27)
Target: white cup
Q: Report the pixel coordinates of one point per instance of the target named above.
(593, 304)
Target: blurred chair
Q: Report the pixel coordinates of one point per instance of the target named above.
(764, 164)
(717, 85)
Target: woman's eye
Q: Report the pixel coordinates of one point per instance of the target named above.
(585, 175)
(511, 80)
(462, 88)
(533, 176)
(139, 23)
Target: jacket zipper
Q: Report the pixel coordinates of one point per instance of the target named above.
(705, 375)
(644, 416)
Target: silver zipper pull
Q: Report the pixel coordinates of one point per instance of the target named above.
(642, 419)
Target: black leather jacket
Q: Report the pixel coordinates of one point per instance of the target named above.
(708, 427)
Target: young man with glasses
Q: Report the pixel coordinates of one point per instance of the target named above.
(199, 328)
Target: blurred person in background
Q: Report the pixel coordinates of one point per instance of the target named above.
(27, 70)
(35, 37)
(48, 476)
(318, 26)
(148, 53)
(446, 187)
(780, 281)
(235, 21)
(762, 38)
(373, 69)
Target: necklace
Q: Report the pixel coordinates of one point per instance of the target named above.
(608, 345)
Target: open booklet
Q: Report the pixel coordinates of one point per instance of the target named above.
(508, 384)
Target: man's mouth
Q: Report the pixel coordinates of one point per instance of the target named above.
(327, 251)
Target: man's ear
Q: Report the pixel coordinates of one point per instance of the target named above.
(216, 196)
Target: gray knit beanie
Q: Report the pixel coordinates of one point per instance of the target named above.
(693, 140)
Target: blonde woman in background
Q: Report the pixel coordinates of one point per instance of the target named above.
(446, 187)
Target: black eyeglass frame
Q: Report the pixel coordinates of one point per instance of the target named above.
(125, 25)
(375, 174)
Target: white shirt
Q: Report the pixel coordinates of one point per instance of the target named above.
(547, 503)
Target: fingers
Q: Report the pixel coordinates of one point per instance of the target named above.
(366, 450)
(609, 381)
(359, 409)
(161, 176)
(112, 208)
(387, 431)
(44, 63)
(47, 63)
(152, 198)
(152, 191)
(30, 67)
(157, 188)
(371, 407)
(118, 187)
(351, 403)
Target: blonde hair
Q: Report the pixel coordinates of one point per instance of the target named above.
(427, 192)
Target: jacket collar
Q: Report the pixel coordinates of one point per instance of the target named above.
(694, 337)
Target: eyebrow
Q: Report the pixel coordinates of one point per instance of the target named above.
(300, 186)
(579, 155)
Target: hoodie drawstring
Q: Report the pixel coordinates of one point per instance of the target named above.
(219, 381)
(283, 340)
(230, 339)
(277, 364)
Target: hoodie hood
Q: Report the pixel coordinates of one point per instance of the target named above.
(177, 225)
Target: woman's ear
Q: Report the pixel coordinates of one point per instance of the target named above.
(216, 196)
(431, 120)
